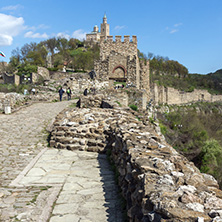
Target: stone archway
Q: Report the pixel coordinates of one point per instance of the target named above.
(119, 72)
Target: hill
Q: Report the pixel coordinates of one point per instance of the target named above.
(171, 73)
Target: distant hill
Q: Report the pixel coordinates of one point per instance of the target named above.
(211, 82)
(216, 75)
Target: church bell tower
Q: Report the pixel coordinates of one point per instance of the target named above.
(105, 27)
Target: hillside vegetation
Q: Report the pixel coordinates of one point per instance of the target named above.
(171, 73)
(80, 56)
(196, 132)
(75, 54)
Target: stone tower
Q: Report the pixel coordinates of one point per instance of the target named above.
(119, 62)
(104, 27)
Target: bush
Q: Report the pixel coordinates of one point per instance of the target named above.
(133, 107)
(6, 88)
(211, 154)
(163, 129)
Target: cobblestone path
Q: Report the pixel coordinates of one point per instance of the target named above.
(44, 184)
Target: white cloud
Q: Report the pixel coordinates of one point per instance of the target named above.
(33, 35)
(63, 35)
(173, 31)
(41, 26)
(178, 24)
(10, 28)
(79, 34)
(118, 27)
(11, 7)
(5, 40)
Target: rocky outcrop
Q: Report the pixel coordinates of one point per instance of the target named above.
(158, 183)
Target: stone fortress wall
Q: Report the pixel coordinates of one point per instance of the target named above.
(171, 96)
(119, 62)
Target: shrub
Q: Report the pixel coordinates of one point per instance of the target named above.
(211, 157)
(151, 119)
(118, 103)
(133, 107)
(163, 129)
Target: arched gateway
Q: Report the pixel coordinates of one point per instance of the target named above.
(119, 73)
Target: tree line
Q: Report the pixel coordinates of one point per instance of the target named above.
(75, 54)
(170, 73)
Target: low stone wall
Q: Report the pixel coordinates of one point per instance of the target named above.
(15, 100)
(158, 183)
(78, 82)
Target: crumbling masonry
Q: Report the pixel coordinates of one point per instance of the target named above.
(119, 62)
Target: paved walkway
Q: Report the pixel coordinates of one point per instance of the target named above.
(46, 184)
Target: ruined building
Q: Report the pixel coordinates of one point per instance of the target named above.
(119, 62)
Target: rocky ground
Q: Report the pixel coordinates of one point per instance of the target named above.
(45, 184)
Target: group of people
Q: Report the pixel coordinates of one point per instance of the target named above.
(68, 92)
(119, 86)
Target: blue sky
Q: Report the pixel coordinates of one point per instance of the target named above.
(188, 31)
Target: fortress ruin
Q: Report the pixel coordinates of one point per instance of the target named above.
(119, 62)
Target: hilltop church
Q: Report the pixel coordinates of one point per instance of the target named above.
(95, 35)
(118, 60)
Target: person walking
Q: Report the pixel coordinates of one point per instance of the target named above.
(61, 91)
(69, 92)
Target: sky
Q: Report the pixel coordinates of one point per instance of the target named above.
(188, 31)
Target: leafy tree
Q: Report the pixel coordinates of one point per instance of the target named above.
(51, 45)
(211, 154)
(72, 52)
(15, 60)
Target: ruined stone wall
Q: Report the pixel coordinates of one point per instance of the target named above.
(118, 59)
(8, 79)
(125, 48)
(157, 183)
(44, 72)
(115, 60)
(144, 76)
(170, 96)
(132, 67)
(78, 82)
(16, 80)
(16, 100)
(11, 98)
(138, 98)
(61, 75)
(35, 77)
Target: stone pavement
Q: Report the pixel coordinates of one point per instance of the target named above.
(46, 184)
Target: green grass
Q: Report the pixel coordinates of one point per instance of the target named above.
(118, 103)
(120, 83)
(73, 105)
(133, 107)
